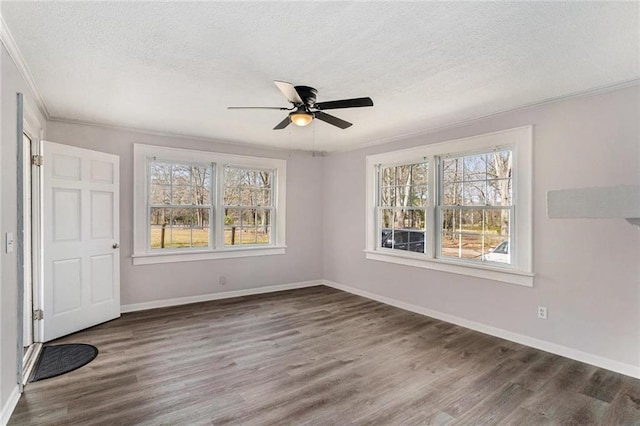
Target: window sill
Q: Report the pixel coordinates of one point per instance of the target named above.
(419, 261)
(170, 257)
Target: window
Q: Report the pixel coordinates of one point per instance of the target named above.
(461, 206)
(193, 205)
(180, 205)
(248, 206)
(475, 205)
(402, 201)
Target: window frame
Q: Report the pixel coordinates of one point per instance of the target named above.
(142, 252)
(519, 141)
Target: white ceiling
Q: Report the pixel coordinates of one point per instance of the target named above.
(175, 67)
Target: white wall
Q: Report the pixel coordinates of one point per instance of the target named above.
(11, 83)
(587, 271)
(148, 283)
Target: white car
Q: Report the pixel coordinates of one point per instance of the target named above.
(499, 254)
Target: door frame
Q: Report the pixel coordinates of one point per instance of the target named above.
(27, 124)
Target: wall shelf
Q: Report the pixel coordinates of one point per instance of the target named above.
(602, 203)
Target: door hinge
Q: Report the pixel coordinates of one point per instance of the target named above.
(37, 160)
(38, 314)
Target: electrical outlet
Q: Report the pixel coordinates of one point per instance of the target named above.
(542, 312)
(223, 280)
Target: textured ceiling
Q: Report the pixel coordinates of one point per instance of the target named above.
(175, 66)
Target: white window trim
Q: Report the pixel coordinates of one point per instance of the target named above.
(142, 255)
(519, 140)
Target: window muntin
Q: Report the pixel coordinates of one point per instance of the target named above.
(475, 206)
(402, 206)
(180, 205)
(248, 206)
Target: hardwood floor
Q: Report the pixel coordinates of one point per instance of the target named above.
(318, 356)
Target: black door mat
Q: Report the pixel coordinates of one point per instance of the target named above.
(59, 359)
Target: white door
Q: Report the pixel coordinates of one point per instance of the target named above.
(81, 256)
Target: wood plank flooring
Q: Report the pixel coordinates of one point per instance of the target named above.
(318, 356)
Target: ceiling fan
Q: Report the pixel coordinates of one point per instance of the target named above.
(305, 108)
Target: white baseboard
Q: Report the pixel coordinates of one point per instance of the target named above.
(216, 296)
(9, 406)
(596, 360)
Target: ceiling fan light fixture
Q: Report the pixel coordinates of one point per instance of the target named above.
(301, 118)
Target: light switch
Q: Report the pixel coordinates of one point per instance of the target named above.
(9, 242)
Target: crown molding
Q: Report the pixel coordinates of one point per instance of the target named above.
(12, 49)
(231, 143)
(435, 129)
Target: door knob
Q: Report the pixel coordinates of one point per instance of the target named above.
(116, 245)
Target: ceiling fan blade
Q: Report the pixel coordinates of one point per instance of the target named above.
(345, 103)
(284, 123)
(278, 108)
(289, 92)
(338, 122)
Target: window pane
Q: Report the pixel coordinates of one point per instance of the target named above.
(181, 174)
(475, 167)
(232, 217)
(499, 165)
(419, 196)
(451, 219)
(387, 196)
(386, 219)
(388, 176)
(232, 177)
(452, 170)
(498, 222)
(160, 194)
(181, 228)
(420, 174)
(160, 173)
(158, 218)
(416, 219)
(200, 227)
(232, 196)
(403, 196)
(477, 180)
(181, 195)
(497, 250)
(499, 192)
(248, 217)
(262, 197)
(452, 194)
(403, 175)
(472, 221)
(201, 181)
(400, 219)
(473, 194)
(232, 236)
(246, 197)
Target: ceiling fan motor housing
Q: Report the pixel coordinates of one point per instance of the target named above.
(308, 94)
